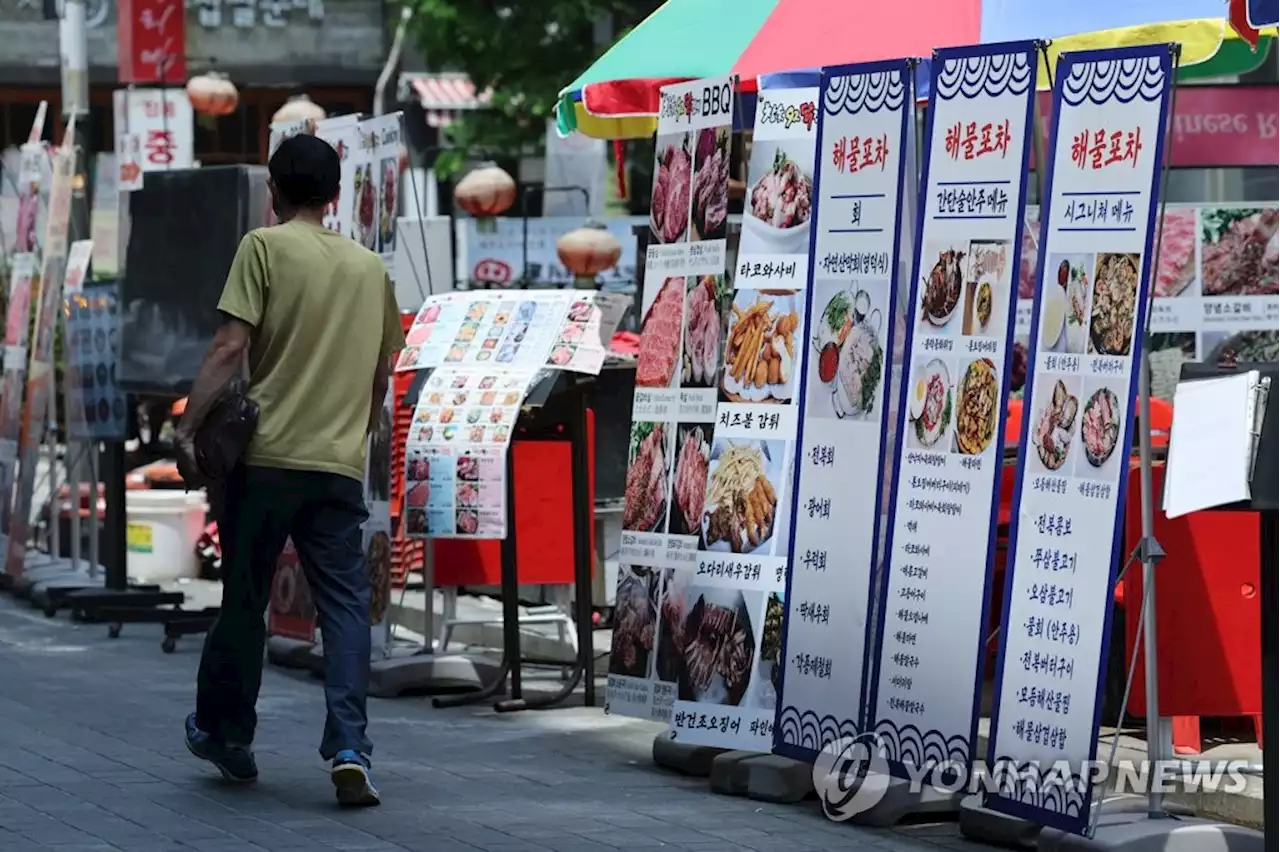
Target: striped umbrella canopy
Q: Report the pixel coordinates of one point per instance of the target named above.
(616, 98)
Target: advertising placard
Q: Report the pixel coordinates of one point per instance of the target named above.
(928, 654)
(1096, 238)
(866, 151)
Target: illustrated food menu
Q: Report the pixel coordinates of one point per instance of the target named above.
(455, 458)
(96, 406)
(565, 330)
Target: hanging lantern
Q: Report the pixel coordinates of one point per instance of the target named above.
(588, 251)
(485, 192)
(299, 108)
(213, 94)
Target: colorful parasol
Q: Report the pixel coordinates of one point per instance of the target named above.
(616, 98)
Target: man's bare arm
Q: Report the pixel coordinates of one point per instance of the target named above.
(381, 379)
(220, 365)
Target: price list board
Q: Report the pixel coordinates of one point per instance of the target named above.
(1110, 110)
(865, 149)
(685, 302)
(928, 654)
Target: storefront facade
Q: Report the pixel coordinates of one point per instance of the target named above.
(331, 50)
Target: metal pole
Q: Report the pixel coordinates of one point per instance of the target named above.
(94, 527)
(73, 486)
(393, 59)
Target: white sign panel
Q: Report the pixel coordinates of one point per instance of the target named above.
(929, 650)
(155, 131)
(1090, 310)
(864, 149)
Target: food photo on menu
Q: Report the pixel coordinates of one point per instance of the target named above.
(741, 511)
(581, 322)
(689, 483)
(776, 219)
(977, 404)
(1064, 312)
(1176, 274)
(986, 288)
(762, 350)
(635, 622)
(942, 286)
(364, 219)
(390, 173)
(1114, 309)
(672, 182)
(930, 404)
(704, 330)
(769, 669)
(417, 491)
(673, 608)
(1055, 412)
(717, 645)
(1100, 422)
(660, 333)
(1240, 251)
(847, 357)
(649, 459)
(710, 192)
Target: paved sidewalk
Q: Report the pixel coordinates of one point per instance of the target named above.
(91, 758)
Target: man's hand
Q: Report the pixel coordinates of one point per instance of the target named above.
(185, 448)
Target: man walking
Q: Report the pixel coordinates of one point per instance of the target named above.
(313, 314)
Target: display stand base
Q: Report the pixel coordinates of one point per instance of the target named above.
(783, 780)
(289, 653)
(1136, 832)
(899, 802)
(685, 758)
(984, 825)
(415, 670)
(730, 771)
(37, 567)
(51, 591)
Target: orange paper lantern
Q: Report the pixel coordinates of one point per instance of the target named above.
(213, 94)
(485, 192)
(588, 251)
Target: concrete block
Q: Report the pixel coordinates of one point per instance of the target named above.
(773, 778)
(1135, 832)
(729, 772)
(899, 801)
(289, 653)
(685, 758)
(430, 674)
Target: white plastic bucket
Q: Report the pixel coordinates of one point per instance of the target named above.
(163, 528)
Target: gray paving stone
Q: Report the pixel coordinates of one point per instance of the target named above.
(92, 760)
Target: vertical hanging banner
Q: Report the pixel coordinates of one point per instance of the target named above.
(23, 279)
(928, 655)
(40, 380)
(864, 146)
(733, 610)
(684, 303)
(1109, 115)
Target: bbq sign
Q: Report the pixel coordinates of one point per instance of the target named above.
(702, 103)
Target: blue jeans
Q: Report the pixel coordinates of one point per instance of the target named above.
(323, 512)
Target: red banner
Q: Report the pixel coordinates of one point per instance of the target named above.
(152, 35)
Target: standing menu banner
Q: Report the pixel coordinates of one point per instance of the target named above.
(37, 411)
(95, 405)
(864, 138)
(455, 456)
(685, 299)
(342, 134)
(929, 650)
(1110, 109)
(23, 278)
(377, 185)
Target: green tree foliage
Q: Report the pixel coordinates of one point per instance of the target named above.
(526, 51)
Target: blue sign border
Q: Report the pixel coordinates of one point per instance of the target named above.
(929, 740)
(1037, 812)
(830, 727)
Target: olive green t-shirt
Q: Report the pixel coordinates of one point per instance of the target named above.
(324, 313)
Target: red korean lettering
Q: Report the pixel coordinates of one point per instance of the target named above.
(839, 155)
(160, 147)
(151, 109)
(1132, 145)
(882, 151)
(1098, 149)
(970, 140)
(868, 152)
(1080, 148)
(1115, 150)
(952, 142)
(986, 139)
(1004, 136)
(852, 154)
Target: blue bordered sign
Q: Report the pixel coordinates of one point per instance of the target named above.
(927, 660)
(864, 149)
(1110, 110)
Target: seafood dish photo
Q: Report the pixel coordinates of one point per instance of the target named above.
(1115, 292)
(468, 468)
(468, 522)
(979, 398)
(646, 489)
(1100, 426)
(1074, 280)
(689, 487)
(672, 182)
(850, 358)
(711, 185)
(782, 197)
(1245, 346)
(702, 333)
(760, 352)
(982, 305)
(929, 404)
(741, 501)
(1054, 426)
(719, 648)
(634, 621)
(942, 288)
(1240, 252)
(660, 336)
